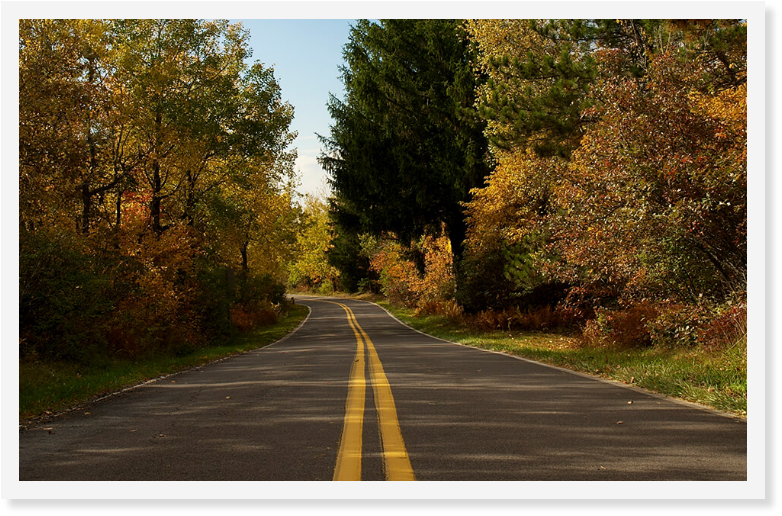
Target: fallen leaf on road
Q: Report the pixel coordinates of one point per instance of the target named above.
(619, 422)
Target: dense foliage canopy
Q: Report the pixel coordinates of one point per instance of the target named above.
(155, 185)
(591, 170)
(406, 145)
(616, 166)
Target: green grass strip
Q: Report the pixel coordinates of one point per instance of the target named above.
(51, 387)
(714, 379)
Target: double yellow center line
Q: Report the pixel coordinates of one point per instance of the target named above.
(396, 462)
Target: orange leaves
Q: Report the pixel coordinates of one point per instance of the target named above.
(653, 198)
(401, 280)
(246, 317)
(153, 146)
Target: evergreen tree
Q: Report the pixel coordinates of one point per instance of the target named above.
(406, 145)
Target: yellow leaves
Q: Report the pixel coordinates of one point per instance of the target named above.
(400, 277)
(729, 106)
(310, 264)
(514, 199)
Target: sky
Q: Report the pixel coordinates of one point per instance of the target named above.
(306, 55)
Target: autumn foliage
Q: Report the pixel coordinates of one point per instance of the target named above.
(419, 276)
(617, 198)
(156, 210)
(645, 218)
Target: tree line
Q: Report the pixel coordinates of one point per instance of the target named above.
(588, 174)
(592, 169)
(156, 203)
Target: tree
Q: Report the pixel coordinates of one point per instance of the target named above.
(656, 195)
(183, 82)
(67, 120)
(406, 146)
(613, 176)
(153, 164)
(539, 76)
(311, 266)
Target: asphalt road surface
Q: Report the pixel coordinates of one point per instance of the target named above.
(354, 394)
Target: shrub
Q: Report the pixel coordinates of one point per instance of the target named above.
(727, 326)
(217, 291)
(626, 328)
(405, 281)
(482, 284)
(65, 295)
(429, 307)
(249, 316)
(533, 318)
(676, 325)
(326, 287)
(262, 287)
(669, 325)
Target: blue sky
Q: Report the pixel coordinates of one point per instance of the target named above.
(305, 55)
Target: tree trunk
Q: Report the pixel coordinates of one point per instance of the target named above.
(245, 267)
(86, 202)
(154, 207)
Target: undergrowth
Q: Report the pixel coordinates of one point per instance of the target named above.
(48, 387)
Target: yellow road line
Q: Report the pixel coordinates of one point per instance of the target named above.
(349, 456)
(396, 462)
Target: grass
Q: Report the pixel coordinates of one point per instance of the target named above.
(715, 379)
(50, 387)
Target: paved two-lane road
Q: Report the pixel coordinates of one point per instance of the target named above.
(354, 392)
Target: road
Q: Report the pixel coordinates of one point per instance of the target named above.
(354, 394)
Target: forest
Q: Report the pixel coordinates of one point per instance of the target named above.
(586, 175)
(156, 204)
(540, 174)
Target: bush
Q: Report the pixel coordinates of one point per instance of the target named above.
(627, 328)
(669, 325)
(261, 287)
(249, 316)
(481, 284)
(65, 295)
(533, 318)
(728, 325)
(676, 325)
(216, 294)
(422, 273)
(260, 301)
(326, 288)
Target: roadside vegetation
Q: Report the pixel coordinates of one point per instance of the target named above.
(49, 387)
(715, 378)
(579, 196)
(156, 201)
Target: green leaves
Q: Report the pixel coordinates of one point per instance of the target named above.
(405, 147)
(609, 149)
